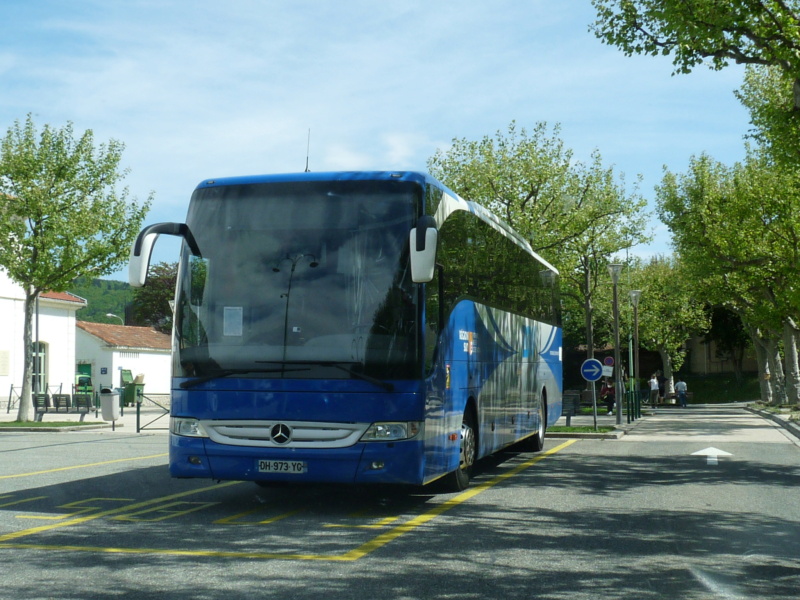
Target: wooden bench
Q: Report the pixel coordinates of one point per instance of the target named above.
(79, 404)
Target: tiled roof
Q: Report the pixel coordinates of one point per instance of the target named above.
(63, 296)
(122, 336)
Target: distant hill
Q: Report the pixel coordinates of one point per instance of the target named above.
(103, 296)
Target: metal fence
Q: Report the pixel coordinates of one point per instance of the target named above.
(152, 408)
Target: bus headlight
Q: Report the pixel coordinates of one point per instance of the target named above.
(187, 427)
(391, 431)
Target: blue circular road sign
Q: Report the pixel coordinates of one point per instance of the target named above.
(591, 369)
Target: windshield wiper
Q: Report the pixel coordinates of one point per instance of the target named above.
(226, 372)
(343, 367)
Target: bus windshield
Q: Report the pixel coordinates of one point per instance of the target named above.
(299, 279)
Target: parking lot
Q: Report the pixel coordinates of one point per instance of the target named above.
(94, 513)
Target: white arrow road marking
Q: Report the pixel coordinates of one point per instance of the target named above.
(712, 454)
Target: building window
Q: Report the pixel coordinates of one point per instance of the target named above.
(39, 367)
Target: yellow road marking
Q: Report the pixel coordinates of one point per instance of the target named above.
(164, 511)
(111, 512)
(360, 552)
(236, 519)
(379, 525)
(20, 501)
(434, 512)
(77, 504)
(97, 464)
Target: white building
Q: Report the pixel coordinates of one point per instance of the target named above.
(56, 334)
(110, 349)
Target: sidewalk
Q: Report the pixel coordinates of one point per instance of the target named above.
(150, 418)
(603, 420)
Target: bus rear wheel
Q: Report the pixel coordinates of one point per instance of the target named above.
(458, 480)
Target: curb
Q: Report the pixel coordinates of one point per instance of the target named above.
(23, 428)
(610, 435)
(620, 430)
(790, 426)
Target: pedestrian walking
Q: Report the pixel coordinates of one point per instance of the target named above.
(680, 389)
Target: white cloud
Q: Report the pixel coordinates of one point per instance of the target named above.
(208, 89)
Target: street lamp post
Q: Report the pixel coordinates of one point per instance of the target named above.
(635, 295)
(614, 270)
(112, 315)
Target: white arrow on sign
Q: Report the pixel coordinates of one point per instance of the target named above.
(593, 370)
(712, 454)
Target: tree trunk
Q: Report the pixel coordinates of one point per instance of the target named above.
(763, 365)
(25, 402)
(790, 358)
(588, 309)
(776, 379)
(666, 361)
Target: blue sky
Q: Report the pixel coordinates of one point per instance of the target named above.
(206, 88)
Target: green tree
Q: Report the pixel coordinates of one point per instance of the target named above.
(737, 231)
(767, 95)
(103, 296)
(617, 223)
(706, 32)
(61, 214)
(151, 303)
(669, 311)
(729, 336)
(575, 215)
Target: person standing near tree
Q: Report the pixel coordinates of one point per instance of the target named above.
(680, 389)
(608, 395)
(653, 389)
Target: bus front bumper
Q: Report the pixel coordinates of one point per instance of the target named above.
(399, 462)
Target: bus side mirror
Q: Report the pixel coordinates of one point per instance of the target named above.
(142, 248)
(422, 241)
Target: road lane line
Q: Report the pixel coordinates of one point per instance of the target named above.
(434, 512)
(97, 464)
(353, 555)
(111, 512)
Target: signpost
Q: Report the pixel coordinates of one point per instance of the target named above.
(608, 366)
(591, 371)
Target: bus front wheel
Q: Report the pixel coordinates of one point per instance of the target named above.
(458, 480)
(535, 443)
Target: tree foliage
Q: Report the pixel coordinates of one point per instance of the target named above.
(62, 214)
(576, 215)
(102, 297)
(151, 303)
(767, 95)
(737, 230)
(709, 32)
(670, 311)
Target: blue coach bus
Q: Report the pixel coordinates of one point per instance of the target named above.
(360, 327)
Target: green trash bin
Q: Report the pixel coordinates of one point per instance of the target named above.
(134, 391)
(125, 380)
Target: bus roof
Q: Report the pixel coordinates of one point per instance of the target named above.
(451, 203)
(416, 176)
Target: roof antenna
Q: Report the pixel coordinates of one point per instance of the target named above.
(308, 148)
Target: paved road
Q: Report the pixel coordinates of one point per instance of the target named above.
(94, 515)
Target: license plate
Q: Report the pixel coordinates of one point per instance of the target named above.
(282, 466)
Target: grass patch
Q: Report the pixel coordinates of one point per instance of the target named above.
(792, 410)
(7, 424)
(723, 388)
(581, 429)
